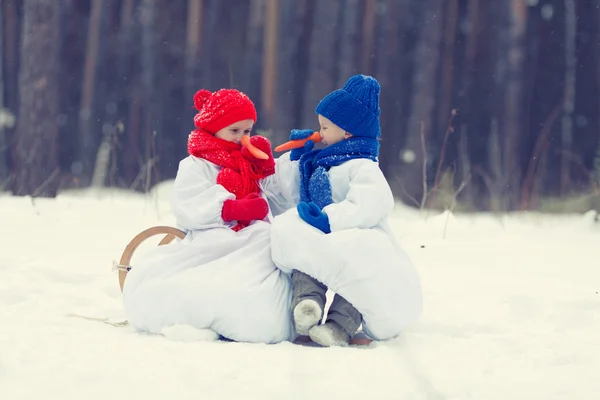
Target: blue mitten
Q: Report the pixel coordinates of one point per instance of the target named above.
(312, 214)
(298, 134)
(319, 188)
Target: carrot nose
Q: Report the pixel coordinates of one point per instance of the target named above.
(255, 151)
(295, 144)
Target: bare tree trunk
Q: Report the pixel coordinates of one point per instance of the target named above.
(4, 172)
(368, 37)
(209, 44)
(321, 65)
(192, 49)
(449, 39)
(150, 103)
(390, 73)
(513, 111)
(88, 144)
(349, 36)
(269, 76)
(253, 51)
(296, 33)
(569, 94)
(422, 102)
(466, 101)
(597, 155)
(36, 150)
(125, 99)
(508, 102)
(224, 43)
(11, 27)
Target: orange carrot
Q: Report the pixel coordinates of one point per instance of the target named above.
(295, 144)
(255, 151)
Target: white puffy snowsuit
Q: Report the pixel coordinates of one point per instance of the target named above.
(360, 259)
(215, 277)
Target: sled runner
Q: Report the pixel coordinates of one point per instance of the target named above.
(124, 264)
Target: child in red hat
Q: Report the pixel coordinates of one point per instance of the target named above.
(220, 276)
(223, 118)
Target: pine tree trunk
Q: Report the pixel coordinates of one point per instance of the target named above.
(151, 102)
(368, 37)
(269, 75)
(509, 80)
(465, 97)
(390, 73)
(224, 44)
(192, 49)
(3, 143)
(127, 51)
(349, 51)
(447, 65)
(321, 62)
(36, 150)
(11, 33)
(569, 94)
(253, 51)
(296, 33)
(597, 155)
(411, 174)
(88, 142)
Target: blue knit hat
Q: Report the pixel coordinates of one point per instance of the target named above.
(355, 107)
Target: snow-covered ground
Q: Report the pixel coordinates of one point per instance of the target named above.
(512, 311)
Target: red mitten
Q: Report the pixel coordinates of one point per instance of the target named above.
(263, 167)
(250, 208)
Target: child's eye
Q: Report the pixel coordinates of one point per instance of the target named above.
(247, 131)
(235, 130)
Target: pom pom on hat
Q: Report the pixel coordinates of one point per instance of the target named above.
(222, 108)
(355, 107)
(201, 97)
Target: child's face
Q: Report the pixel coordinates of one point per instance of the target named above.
(330, 132)
(235, 131)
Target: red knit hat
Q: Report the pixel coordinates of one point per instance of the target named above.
(222, 108)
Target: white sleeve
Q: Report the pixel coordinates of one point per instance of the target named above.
(282, 189)
(197, 200)
(368, 201)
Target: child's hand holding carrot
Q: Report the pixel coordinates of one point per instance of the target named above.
(264, 163)
(299, 134)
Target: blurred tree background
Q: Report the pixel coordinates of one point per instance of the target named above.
(490, 105)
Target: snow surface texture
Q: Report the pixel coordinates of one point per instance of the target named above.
(511, 311)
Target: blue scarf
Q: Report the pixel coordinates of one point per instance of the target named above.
(314, 180)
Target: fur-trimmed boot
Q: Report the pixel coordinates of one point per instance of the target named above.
(307, 314)
(329, 334)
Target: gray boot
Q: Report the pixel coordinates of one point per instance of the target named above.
(329, 334)
(308, 301)
(307, 314)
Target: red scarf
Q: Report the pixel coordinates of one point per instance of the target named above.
(238, 175)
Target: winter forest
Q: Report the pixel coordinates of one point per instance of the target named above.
(475, 278)
(485, 105)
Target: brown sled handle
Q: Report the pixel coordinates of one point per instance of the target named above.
(124, 266)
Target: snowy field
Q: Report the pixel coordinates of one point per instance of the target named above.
(512, 311)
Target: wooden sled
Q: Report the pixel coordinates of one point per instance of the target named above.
(123, 266)
(171, 233)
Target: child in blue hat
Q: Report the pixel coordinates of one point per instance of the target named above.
(338, 236)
